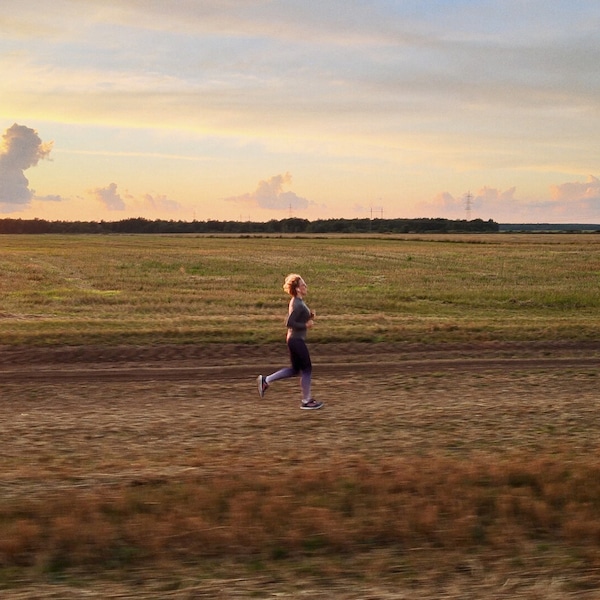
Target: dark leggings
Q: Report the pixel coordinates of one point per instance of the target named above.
(301, 365)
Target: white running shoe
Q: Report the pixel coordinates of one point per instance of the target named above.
(262, 386)
(311, 404)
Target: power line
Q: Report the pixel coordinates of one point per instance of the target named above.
(468, 204)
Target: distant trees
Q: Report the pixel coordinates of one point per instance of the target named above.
(401, 226)
(550, 227)
(290, 225)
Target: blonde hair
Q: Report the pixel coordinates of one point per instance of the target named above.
(292, 281)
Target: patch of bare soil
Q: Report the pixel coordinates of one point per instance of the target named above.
(95, 418)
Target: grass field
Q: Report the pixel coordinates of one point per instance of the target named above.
(178, 289)
(456, 456)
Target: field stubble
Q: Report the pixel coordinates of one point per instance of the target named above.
(147, 290)
(456, 456)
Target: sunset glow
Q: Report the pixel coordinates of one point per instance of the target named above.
(255, 110)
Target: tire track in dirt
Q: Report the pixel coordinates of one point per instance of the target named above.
(174, 372)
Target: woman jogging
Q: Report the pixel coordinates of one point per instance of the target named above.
(300, 319)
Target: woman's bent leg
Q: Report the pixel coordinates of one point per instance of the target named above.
(281, 374)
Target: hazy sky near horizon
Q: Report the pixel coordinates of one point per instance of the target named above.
(260, 109)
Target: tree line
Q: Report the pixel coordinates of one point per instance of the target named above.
(289, 225)
(550, 227)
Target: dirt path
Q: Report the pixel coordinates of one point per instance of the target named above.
(230, 361)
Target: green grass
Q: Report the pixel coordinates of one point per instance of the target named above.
(189, 289)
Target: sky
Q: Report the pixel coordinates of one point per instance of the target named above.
(265, 109)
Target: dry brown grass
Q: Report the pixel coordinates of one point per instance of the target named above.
(342, 507)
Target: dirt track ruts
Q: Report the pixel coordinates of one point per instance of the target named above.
(236, 361)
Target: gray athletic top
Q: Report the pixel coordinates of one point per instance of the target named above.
(298, 315)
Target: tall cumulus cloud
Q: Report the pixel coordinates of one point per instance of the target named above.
(270, 195)
(20, 150)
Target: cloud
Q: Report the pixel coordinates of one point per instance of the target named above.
(445, 201)
(577, 198)
(50, 198)
(270, 195)
(576, 191)
(485, 203)
(486, 196)
(109, 198)
(21, 149)
(160, 202)
(112, 200)
(572, 202)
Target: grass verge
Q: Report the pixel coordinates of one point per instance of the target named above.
(346, 507)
